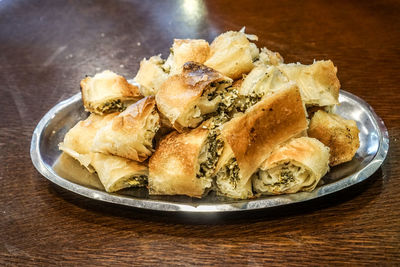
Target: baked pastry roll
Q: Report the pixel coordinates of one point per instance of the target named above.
(186, 98)
(339, 134)
(116, 173)
(174, 166)
(251, 137)
(318, 82)
(151, 75)
(185, 50)
(232, 54)
(295, 166)
(261, 80)
(130, 134)
(268, 57)
(79, 139)
(108, 92)
(228, 179)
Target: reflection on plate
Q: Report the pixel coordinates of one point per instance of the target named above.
(67, 173)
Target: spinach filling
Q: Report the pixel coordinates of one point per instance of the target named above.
(140, 180)
(225, 108)
(285, 176)
(111, 106)
(215, 146)
(231, 172)
(223, 114)
(247, 102)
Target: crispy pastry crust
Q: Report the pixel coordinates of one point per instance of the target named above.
(174, 164)
(100, 91)
(318, 82)
(269, 57)
(79, 139)
(304, 152)
(232, 54)
(125, 135)
(180, 93)
(185, 50)
(116, 173)
(339, 134)
(151, 75)
(272, 121)
(262, 80)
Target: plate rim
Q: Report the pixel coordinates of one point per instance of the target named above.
(240, 205)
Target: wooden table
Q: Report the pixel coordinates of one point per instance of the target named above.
(47, 47)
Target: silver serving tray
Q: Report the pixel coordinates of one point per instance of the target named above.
(67, 173)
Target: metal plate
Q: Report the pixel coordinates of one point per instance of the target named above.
(67, 173)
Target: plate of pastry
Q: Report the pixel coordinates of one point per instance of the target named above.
(226, 126)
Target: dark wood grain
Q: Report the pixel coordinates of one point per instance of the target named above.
(46, 47)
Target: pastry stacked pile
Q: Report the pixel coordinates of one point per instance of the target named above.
(228, 117)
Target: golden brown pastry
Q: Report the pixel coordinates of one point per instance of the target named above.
(232, 54)
(339, 134)
(268, 57)
(79, 139)
(130, 134)
(318, 82)
(186, 98)
(253, 136)
(116, 173)
(262, 80)
(108, 92)
(174, 166)
(228, 179)
(297, 165)
(151, 75)
(185, 50)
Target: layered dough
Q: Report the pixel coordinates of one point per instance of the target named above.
(108, 92)
(226, 117)
(318, 82)
(151, 75)
(114, 172)
(130, 134)
(250, 138)
(186, 98)
(339, 134)
(261, 81)
(295, 166)
(185, 50)
(174, 166)
(228, 178)
(232, 54)
(78, 140)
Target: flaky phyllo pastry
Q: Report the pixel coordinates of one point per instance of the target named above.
(339, 134)
(186, 98)
(295, 166)
(251, 137)
(185, 50)
(318, 82)
(79, 139)
(174, 167)
(227, 117)
(114, 172)
(233, 54)
(130, 134)
(151, 75)
(261, 81)
(108, 92)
